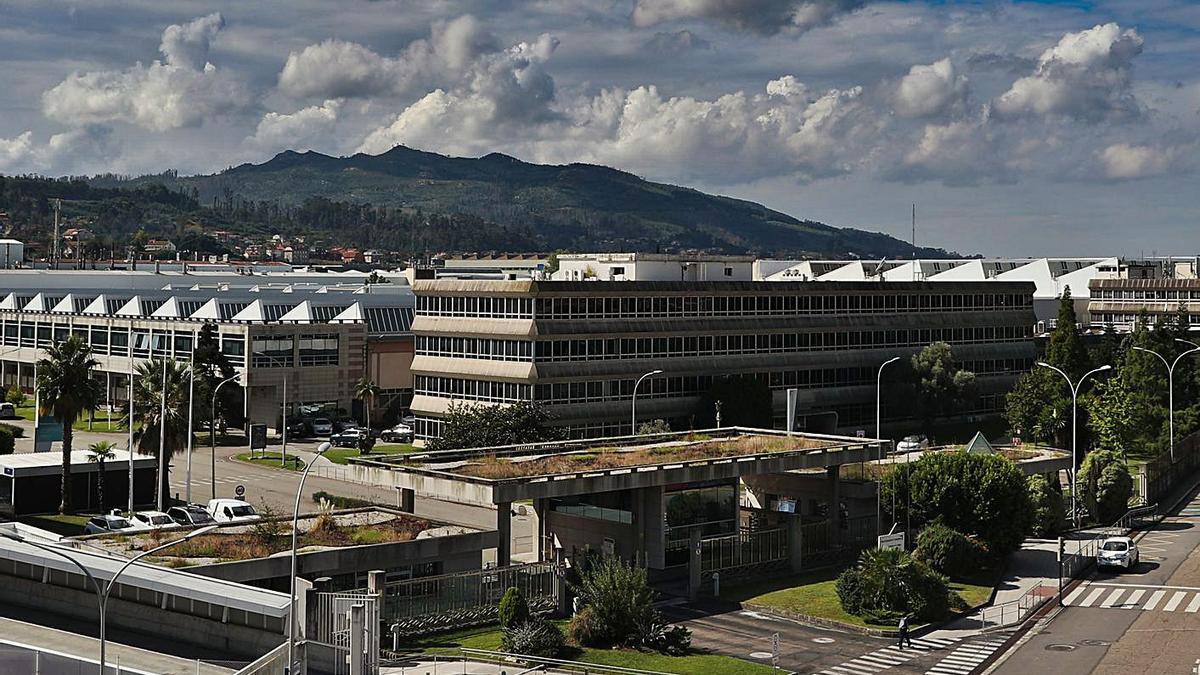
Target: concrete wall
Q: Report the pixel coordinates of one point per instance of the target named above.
(576, 533)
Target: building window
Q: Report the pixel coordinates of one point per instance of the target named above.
(119, 342)
(728, 271)
(234, 346)
(273, 351)
(319, 350)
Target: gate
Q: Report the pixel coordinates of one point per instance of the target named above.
(334, 629)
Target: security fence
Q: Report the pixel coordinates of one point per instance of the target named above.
(1161, 474)
(744, 550)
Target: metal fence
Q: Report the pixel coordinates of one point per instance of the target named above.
(1016, 611)
(21, 658)
(744, 549)
(333, 628)
(273, 662)
(431, 604)
(1161, 474)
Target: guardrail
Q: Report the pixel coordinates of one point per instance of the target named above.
(1016, 611)
(1137, 518)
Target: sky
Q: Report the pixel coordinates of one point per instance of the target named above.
(1017, 128)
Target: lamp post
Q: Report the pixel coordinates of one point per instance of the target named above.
(162, 439)
(633, 403)
(102, 592)
(283, 420)
(129, 391)
(1171, 385)
(212, 433)
(295, 528)
(1074, 387)
(191, 409)
(879, 435)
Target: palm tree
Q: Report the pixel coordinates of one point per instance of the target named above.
(367, 391)
(99, 453)
(66, 390)
(148, 405)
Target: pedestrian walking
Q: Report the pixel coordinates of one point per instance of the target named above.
(903, 633)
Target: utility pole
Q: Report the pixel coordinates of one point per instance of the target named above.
(54, 245)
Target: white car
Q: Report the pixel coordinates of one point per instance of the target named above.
(1117, 552)
(106, 524)
(151, 520)
(401, 433)
(914, 443)
(232, 511)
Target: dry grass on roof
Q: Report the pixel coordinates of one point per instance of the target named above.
(595, 459)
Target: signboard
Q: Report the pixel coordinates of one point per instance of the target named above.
(787, 505)
(47, 432)
(774, 650)
(258, 437)
(240, 491)
(887, 541)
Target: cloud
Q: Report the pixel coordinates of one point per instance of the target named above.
(299, 130)
(180, 92)
(14, 152)
(1122, 161)
(676, 43)
(340, 69)
(929, 90)
(758, 16)
(1085, 76)
(187, 45)
(87, 148)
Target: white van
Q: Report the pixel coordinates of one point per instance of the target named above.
(232, 511)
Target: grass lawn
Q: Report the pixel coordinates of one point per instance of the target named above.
(104, 421)
(340, 455)
(815, 594)
(700, 663)
(67, 526)
(272, 459)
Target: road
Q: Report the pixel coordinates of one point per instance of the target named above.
(277, 486)
(1146, 620)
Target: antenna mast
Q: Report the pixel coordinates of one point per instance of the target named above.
(914, 240)
(54, 248)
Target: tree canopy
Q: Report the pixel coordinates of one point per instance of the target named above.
(482, 426)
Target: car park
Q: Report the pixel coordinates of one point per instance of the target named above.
(108, 523)
(232, 511)
(914, 443)
(401, 433)
(350, 438)
(151, 520)
(192, 514)
(1117, 552)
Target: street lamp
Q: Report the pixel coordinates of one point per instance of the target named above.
(295, 528)
(1171, 385)
(633, 403)
(1074, 387)
(879, 435)
(212, 432)
(283, 420)
(102, 592)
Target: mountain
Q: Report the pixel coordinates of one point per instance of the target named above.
(578, 207)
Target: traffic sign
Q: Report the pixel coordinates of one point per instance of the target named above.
(240, 491)
(774, 650)
(887, 541)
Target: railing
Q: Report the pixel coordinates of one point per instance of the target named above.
(1137, 518)
(1161, 474)
(273, 662)
(743, 549)
(1016, 611)
(534, 664)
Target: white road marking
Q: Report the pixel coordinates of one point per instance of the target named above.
(1174, 601)
(1093, 597)
(1112, 598)
(1131, 602)
(1155, 598)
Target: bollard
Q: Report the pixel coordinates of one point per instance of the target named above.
(716, 584)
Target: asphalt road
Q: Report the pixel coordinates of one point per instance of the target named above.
(1146, 620)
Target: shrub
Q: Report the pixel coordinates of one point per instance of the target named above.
(16, 431)
(7, 444)
(583, 629)
(14, 395)
(1113, 490)
(535, 637)
(949, 551)
(620, 600)
(984, 496)
(267, 528)
(1047, 501)
(513, 609)
(652, 427)
(888, 583)
(671, 640)
(341, 502)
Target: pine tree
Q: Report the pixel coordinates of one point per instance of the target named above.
(1066, 349)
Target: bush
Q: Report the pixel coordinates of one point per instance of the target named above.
(652, 427)
(535, 637)
(16, 431)
(341, 502)
(583, 629)
(949, 551)
(14, 395)
(670, 640)
(984, 496)
(1113, 490)
(620, 602)
(513, 610)
(7, 444)
(1047, 501)
(886, 584)
(268, 527)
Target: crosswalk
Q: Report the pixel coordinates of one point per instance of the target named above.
(890, 656)
(969, 655)
(1147, 598)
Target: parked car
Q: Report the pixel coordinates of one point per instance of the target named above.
(298, 428)
(410, 420)
(914, 443)
(232, 511)
(107, 523)
(192, 514)
(401, 433)
(8, 411)
(350, 438)
(151, 520)
(1117, 552)
(344, 423)
(322, 426)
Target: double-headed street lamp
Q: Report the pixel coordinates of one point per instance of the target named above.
(295, 529)
(1074, 387)
(102, 590)
(1171, 384)
(633, 403)
(879, 435)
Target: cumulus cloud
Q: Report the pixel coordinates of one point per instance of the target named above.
(929, 90)
(182, 91)
(340, 69)
(77, 149)
(14, 152)
(1085, 76)
(760, 16)
(1122, 161)
(299, 130)
(675, 43)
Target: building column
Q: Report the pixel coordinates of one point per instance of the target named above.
(795, 535)
(835, 511)
(541, 532)
(650, 526)
(503, 534)
(408, 500)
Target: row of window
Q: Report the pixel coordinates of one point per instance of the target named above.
(484, 307)
(1105, 318)
(1160, 294)
(279, 351)
(475, 348)
(471, 390)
